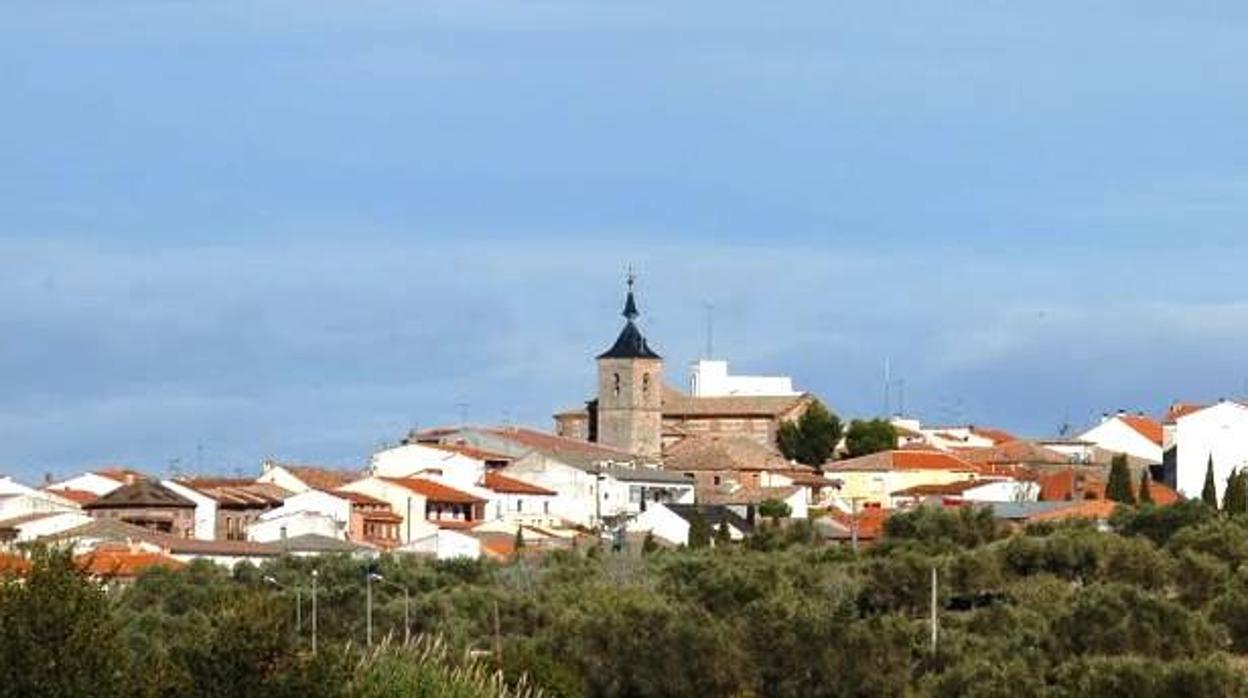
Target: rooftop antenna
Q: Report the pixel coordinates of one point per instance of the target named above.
(710, 330)
(888, 372)
(901, 397)
(463, 413)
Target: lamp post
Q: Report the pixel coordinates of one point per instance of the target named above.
(298, 601)
(315, 574)
(368, 605)
(407, 605)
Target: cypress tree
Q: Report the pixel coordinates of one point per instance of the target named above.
(1146, 492)
(1235, 499)
(699, 531)
(1118, 488)
(722, 535)
(1209, 494)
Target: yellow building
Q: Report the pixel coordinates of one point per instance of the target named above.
(870, 480)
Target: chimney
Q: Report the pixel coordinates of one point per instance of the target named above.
(129, 479)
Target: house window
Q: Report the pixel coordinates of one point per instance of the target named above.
(645, 383)
(716, 480)
(617, 384)
(545, 507)
(519, 504)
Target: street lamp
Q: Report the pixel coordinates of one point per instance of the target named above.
(407, 605)
(298, 601)
(368, 604)
(315, 574)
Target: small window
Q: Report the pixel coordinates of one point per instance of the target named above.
(645, 383)
(519, 504)
(716, 480)
(617, 384)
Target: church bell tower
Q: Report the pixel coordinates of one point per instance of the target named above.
(630, 389)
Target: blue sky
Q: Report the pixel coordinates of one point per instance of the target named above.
(237, 229)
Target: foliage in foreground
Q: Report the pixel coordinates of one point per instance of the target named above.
(1153, 609)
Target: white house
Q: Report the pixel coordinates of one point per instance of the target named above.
(1132, 434)
(969, 491)
(33, 502)
(449, 465)
(710, 378)
(324, 505)
(23, 529)
(443, 544)
(291, 524)
(671, 522)
(587, 495)
(1219, 431)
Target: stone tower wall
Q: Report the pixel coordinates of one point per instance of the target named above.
(630, 405)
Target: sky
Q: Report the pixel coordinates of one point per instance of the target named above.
(242, 229)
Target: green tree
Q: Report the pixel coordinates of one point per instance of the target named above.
(774, 509)
(1118, 488)
(1146, 490)
(722, 535)
(1235, 496)
(699, 531)
(865, 437)
(649, 544)
(812, 438)
(1209, 494)
(58, 636)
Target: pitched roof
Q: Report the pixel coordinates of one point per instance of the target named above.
(949, 489)
(27, 518)
(316, 543)
(141, 493)
(508, 485)
(321, 478)
(631, 344)
(997, 436)
(464, 449)
(107, 561)
(1020, 451)
(1098, 509)
(1181, 409)
(75, 496)
(680, 404)
(120, 474)
(704, 452)
(358, 497)
(1070, 484)
(119, 531)
(902, 459)
(238, 493)
(435, 491)
(870, 523)
(571, 451)
(744, 495)
(713, 514)
(1150, 429)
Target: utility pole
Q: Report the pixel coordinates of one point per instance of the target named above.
(933, 620)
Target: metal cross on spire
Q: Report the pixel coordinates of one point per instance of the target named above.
(630, 305)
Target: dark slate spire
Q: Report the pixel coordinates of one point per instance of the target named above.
(631, 344)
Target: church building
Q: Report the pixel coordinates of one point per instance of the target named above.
(638, 412)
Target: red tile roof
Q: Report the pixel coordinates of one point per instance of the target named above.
(111, 562)
(903, 459)
(951, 489)
(76, 496)
(1020, 451)
(357, 497)
(1150, 429)
(509, 485)
(435, 491)
(1098, 509)
(870, 522)
(997, 436)
(1181, 409)
(471, 451)
(552, 444)
(13, 565)
(1070, 484)
(1163, 494)
(319, 478)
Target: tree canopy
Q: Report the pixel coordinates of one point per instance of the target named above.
(865, 437)
(812, 438)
